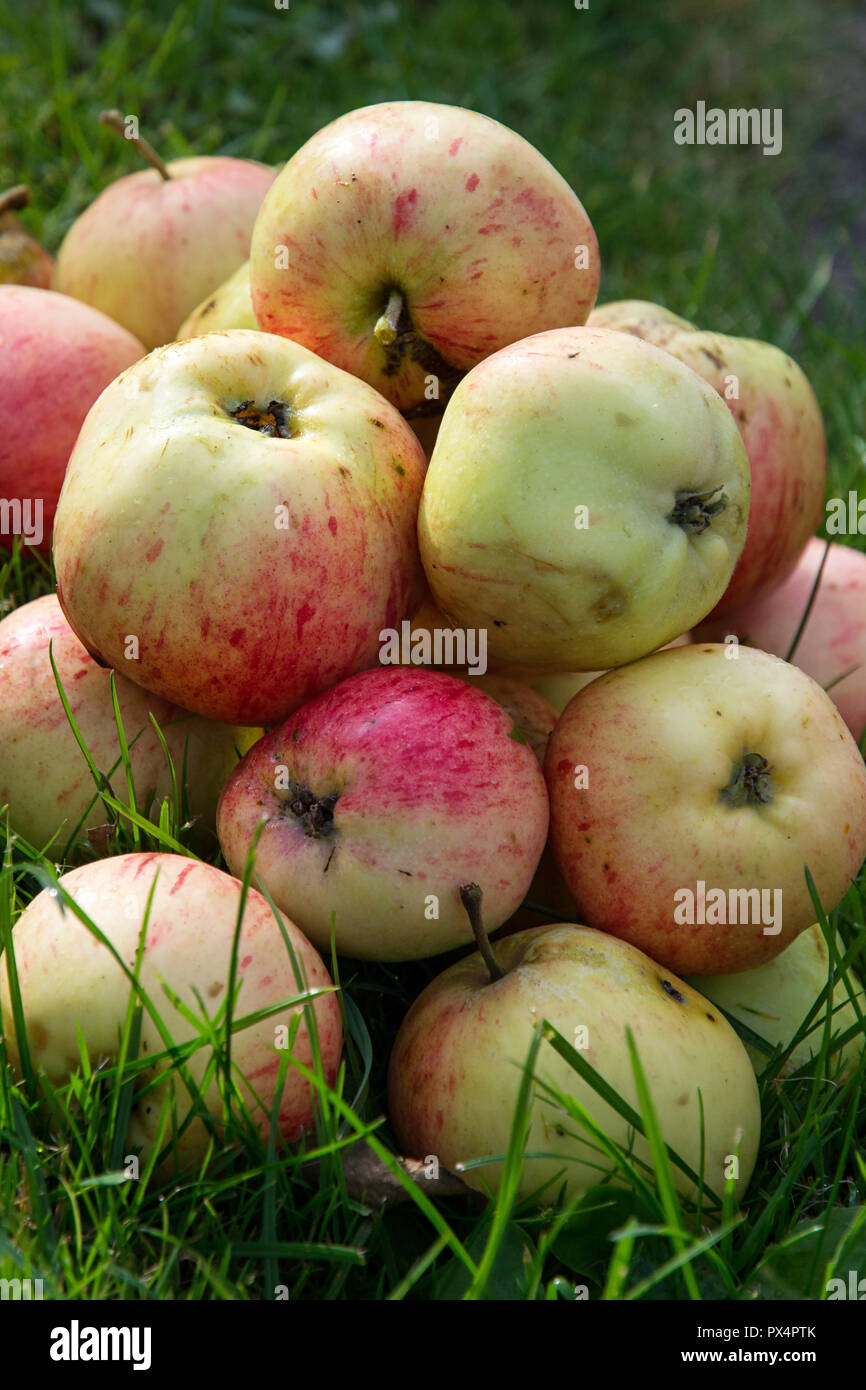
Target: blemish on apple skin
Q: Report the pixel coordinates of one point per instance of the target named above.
(455, 146)
(215, 989)
(246, 962)
(472, 183)
(237, 637)
(671, 992)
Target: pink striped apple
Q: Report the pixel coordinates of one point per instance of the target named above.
(407, 241)
(56, 357)
(378, 800)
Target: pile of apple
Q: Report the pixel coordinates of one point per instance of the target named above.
(220, 407)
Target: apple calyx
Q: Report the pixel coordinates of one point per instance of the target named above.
(750, 784)
(694, 511)
(470, 896)
(272, 419)
(315, 814)
(116, 121)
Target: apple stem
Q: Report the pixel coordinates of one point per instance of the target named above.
(115, 120)
(470, 896)
(14, 199)
(386, 324)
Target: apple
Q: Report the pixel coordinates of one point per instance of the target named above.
(586, 501)
(689, 791)
(774, 999)
(780, 421)
(560, 687)
(379, 798)
(155, 243)
(229, 306)
(455, 1069)
(74, 992)
(56, 357)
(22, 260)
(833, 642)
(237, 525)
(406, 241)
(44, 778)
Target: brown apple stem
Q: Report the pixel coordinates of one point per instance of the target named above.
(470, 896)
(116, 121)
(386, 324)
(14, 199)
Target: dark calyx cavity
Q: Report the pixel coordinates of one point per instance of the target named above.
(273, 419)
(694, 511)
(314, 814)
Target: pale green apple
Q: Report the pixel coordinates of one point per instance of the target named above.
(774, 999)
(779, 419)
(229, 306)
(586, 501)
(455, 1070)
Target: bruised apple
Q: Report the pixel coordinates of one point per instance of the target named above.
(455, 1069)
(585, 502)
(688, 794)
(779, 419)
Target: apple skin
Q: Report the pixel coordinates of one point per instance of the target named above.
(834, 638)
(661, 741)
(474, 227)
(69, 981)
(44, 778)
(774, 999)
(166, 527)
(452, 1082)
(56, 357)
(229, 306)
(589, 417)
(781, 426)
(432, 791)
(148, 249)
(23, 261)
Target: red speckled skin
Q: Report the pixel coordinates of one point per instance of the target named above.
(432, 792)
(149, 249)
(660, 740)
(780, 423)
(56, 356)
(474, 227)
(44, 777)
(69, 978)
(834, 638)
(166, 528)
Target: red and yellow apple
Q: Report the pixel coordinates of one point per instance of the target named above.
(237, 525)
(688, 794)
(75, 993)
(407, 241)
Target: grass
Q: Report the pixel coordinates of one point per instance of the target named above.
(732, 239)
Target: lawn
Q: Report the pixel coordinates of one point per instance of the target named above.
(772, 247)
